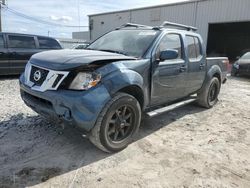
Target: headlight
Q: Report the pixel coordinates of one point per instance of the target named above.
(85, 80)
(27, 72)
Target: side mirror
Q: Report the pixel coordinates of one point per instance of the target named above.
(168, 54)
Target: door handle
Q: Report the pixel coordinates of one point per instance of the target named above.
(202, 66)
(183, 69)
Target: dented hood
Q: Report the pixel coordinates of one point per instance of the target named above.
(69, 59)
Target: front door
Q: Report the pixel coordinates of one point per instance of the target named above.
(169, 76)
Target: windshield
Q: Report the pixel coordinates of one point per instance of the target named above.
(127, 42)
(246, 56)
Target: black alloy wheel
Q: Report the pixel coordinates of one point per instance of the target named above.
(208, 95)
(121, 124)
(213, 93)
(117, 124)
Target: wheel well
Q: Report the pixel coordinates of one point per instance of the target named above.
(217, 75)
(136, 92)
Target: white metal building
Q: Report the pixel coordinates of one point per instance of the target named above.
(83, 35)
(223, 24)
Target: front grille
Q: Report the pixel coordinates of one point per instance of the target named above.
(59, 77)
(42, 77)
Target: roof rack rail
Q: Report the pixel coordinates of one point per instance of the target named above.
(134, 25)
(187, 27)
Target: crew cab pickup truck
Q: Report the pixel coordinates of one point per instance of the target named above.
(133, 70)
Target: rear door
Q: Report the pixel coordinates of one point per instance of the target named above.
(21, 48)
(4, 57)
(169, 76)
(196, 63)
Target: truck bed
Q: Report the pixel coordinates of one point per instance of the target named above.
(222, 62)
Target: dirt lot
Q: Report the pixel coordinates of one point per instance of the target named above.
(189, 147)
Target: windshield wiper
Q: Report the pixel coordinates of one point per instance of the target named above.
(113, 51)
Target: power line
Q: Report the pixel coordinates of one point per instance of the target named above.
(2, 2)
(78, 12)
(37, 19)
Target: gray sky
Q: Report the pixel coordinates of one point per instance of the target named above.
(63, 12)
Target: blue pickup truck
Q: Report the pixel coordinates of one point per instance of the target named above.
(133, 70)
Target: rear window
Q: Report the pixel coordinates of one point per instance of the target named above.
(1, 41)
(197, 46)
(21, 42)
(194, 47)
(47, 43)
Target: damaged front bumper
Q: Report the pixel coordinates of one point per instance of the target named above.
(80, 108)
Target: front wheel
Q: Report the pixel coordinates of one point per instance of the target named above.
(208, 96)
(117, 124)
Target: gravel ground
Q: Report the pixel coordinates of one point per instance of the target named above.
(188, 147)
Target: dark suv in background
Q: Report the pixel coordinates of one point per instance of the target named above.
(16, 50)
(242, 66)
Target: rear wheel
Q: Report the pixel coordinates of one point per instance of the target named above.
(117, 124)
(208, 96)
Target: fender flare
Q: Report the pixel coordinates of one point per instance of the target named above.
(214, 70)
(121, 79)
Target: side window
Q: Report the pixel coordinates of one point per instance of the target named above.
(1, 42)
(171, 41)
(194, 47)
(46, 43)
(21, 42)
(197, 47)
(191, 47)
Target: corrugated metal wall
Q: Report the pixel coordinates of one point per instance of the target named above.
(196, 13)
(104, 23)
(84, 35)
(219, 11)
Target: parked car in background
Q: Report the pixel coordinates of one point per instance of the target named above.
(242, 66)
(16, 49)
(81, 46)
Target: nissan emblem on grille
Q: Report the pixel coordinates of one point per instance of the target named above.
(37, 75)
(42, 79)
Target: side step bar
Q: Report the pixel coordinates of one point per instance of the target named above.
(170, 107)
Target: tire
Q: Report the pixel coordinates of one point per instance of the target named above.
(117, 123)
(208, 96)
